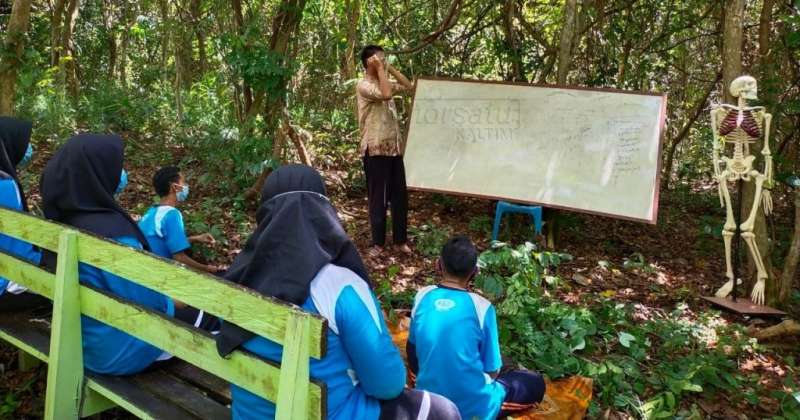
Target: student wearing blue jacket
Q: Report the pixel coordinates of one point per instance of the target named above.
(162, 224)
(15, 151)
(299, 253)
(454, 334)
(78, 188)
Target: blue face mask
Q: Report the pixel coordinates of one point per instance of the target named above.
(123, 182)
(28, 155)
(183, 194)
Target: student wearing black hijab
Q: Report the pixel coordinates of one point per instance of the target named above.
(15, 151)
(78, 188)
(300, 253)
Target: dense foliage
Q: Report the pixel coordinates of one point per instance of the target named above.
(644, 362)
(207, 74)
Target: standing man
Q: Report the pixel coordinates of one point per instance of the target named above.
(382, 148)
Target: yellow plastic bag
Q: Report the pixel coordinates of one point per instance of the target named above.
(565, 399)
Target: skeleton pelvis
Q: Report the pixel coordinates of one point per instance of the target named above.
(739, 166)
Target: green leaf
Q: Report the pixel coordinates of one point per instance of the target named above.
(692, 387)
(796, 396)
(669, 400)
(579, 344)
(626, 339)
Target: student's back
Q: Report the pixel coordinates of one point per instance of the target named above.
(357, 342)
(163, 227)
(107, 349)
(455, 336)
(78, 187)
(300, 253)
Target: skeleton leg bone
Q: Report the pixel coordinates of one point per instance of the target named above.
(727, 234)
(757, 295)
(749, 237)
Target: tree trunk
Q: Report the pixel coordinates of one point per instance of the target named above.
(792, 258)
(284, 26)
(565, 45)
(684, 133)
(184, 57)
(163, 8)
(197, 16)
(732, 45)
(785, 328)
(552, 232)
(512, 41)
(129, 16)
(247, 93)
(68, 61)
(13, 47)
(348, 66)
(55, 32)
(111, 37)
(769, 80)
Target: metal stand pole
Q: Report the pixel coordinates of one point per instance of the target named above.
(737, 238)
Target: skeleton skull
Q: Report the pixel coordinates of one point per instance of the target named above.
(744, 86)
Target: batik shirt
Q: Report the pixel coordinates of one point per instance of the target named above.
(378, 121)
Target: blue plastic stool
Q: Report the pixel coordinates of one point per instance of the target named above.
(506, 207)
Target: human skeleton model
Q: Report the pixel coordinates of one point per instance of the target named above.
(741, 126)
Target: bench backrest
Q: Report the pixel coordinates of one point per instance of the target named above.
(301, 334)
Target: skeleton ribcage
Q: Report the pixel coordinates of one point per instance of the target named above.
(749, 124)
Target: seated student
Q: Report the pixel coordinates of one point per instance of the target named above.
(162, 225)
(78, 188)
(16, 151)
(453, 344)
(300, 253)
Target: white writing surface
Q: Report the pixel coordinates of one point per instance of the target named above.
(587, 150)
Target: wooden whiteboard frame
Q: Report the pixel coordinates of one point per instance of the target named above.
(662, 121)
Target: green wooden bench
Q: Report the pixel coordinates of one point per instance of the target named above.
(181, 389)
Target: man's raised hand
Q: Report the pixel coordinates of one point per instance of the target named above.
(375, 62)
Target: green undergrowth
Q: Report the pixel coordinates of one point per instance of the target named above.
(644, 361)
(648, 362)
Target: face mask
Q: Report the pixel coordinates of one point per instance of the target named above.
(28, 155)
(183, 194)
(123, 182)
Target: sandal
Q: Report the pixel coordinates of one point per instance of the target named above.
(374, 251)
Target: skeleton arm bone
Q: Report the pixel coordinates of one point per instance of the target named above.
(766, 151)
(767, 196)
(716, 151)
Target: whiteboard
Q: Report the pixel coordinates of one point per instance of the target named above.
(595, 151)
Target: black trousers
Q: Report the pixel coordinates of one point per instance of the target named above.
(386, 184)
(414, 404)
(522, 387)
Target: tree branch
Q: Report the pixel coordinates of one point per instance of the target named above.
(699, 107)
(448, 22)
